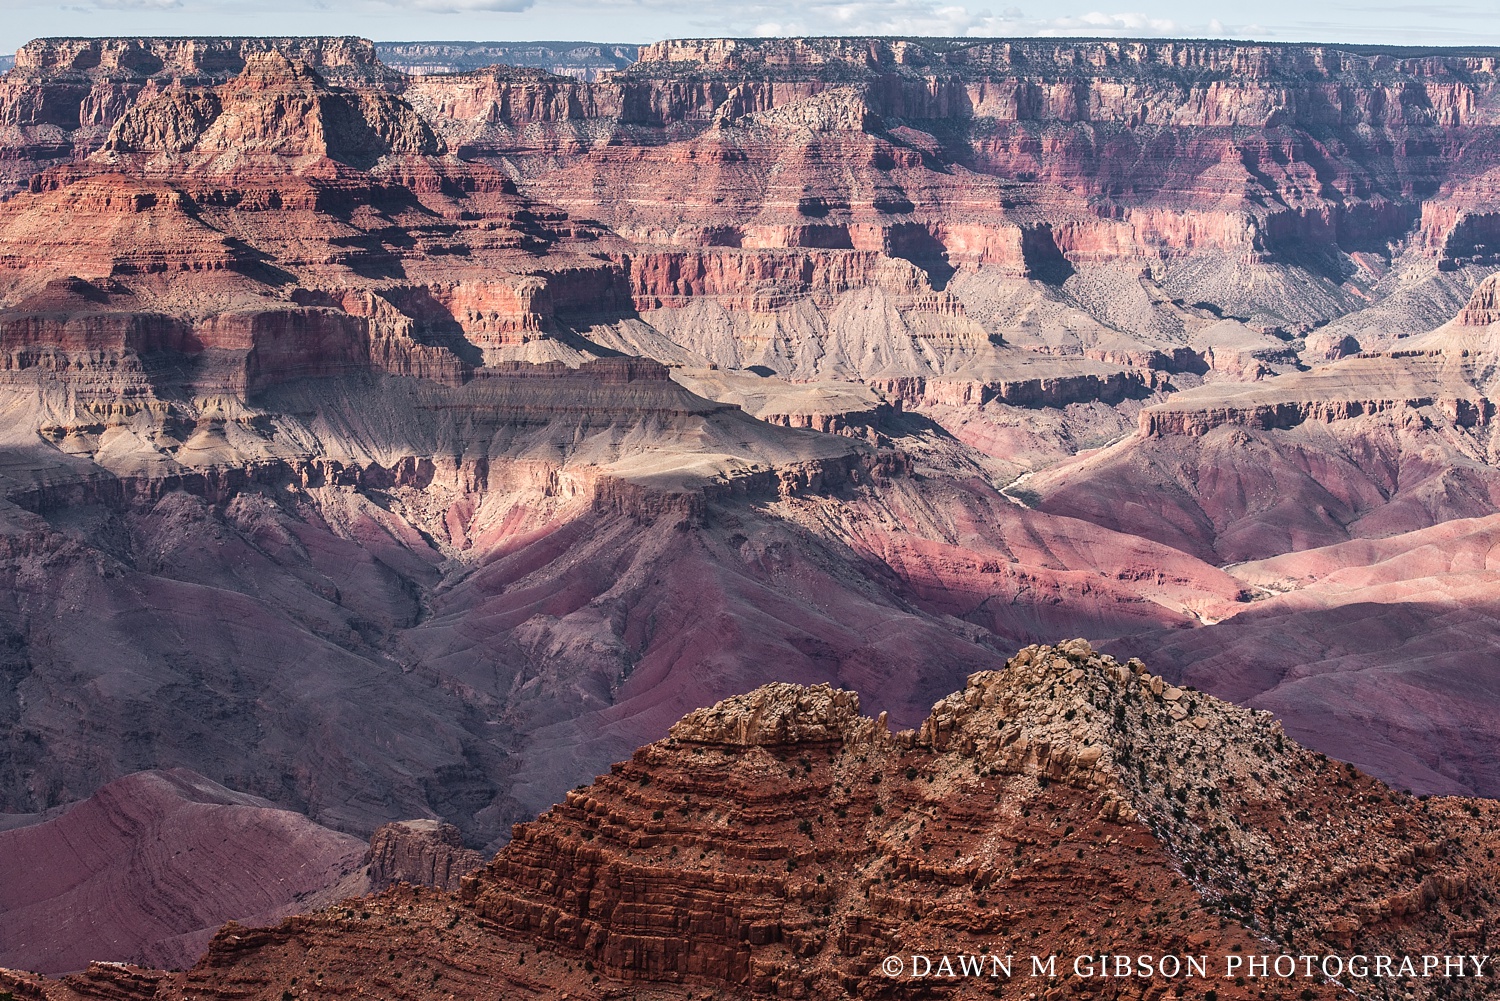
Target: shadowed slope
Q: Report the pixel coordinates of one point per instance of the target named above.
(149, 866)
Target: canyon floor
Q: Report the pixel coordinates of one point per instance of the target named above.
(385, 448)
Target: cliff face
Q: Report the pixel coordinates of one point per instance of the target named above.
(273, 105)
(421, 853)
(59, 100)
(1211, 83)
(780, 843)
(1128, 149)
(353, 450)
(582, 60)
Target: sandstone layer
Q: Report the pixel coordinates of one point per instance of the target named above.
(781, 844)
(394, 446)
(421, 853)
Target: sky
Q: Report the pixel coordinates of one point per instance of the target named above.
(1460, 22)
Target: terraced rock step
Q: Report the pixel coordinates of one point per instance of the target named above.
(779, 843)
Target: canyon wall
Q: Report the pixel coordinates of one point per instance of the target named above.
(392, 446)
(583, 60)
(779, 843)
(1128, 149)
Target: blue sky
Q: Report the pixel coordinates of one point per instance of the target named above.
(1391, 21)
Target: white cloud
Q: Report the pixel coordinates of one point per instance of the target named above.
(462, 6)
(908, 17)
(141, 5)
(1099, 23)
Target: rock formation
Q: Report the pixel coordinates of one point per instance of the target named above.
(394, 446)
(421, 853)
(583, 60)
(782, 844)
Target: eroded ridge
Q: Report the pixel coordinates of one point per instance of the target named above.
(781, 844)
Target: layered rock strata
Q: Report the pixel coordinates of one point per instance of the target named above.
(1055, 120)
(1064, 151)
(583, 60)
(421, 853)
(197, 854)
(780, 843)
(388, 448)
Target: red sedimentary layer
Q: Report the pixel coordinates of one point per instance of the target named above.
(518, 559)
(780, 844)
(421, 853)
(1040, 391)
(768, 278)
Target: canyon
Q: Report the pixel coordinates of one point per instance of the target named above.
(782, 844)
(385, 448)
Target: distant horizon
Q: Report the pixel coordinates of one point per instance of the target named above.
(1404, 48)
(1454, 24)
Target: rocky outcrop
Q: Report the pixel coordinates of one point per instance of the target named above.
(275, 105)
(1055, 715)
(1449, 387)
(421, 853)
(64, 94)
(889, 819)
(780, 843)
(776, 715)
(1483, 307)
